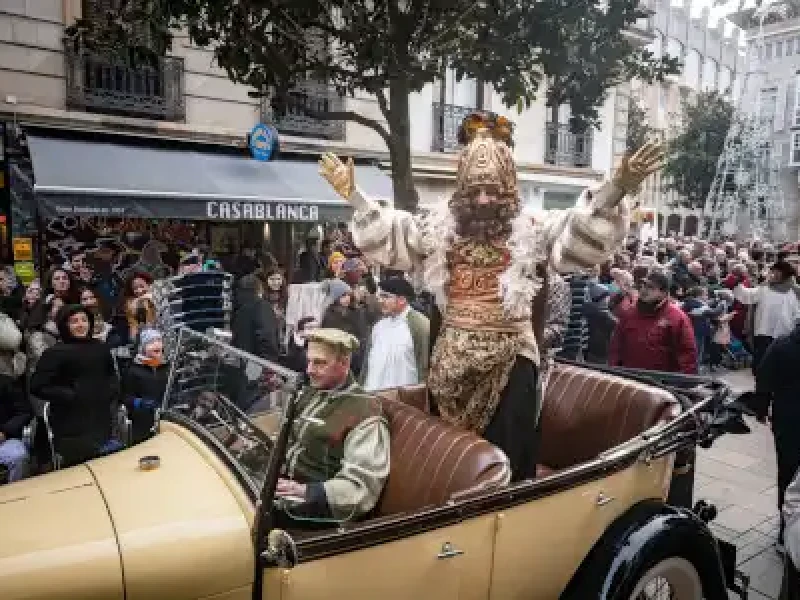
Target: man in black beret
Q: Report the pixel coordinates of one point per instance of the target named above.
(397, 348)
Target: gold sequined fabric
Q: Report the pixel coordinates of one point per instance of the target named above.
(476, 349)
(469, 371)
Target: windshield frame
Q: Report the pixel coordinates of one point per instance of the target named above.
(261, 493)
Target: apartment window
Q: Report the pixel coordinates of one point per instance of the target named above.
(794, 157)
(779, 49)
(796, 119)
(768, 51)
(769, 106)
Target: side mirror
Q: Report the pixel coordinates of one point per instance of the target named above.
(281, 550)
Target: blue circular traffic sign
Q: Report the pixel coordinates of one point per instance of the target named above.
(262, 141)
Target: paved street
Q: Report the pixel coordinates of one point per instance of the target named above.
(738, 475)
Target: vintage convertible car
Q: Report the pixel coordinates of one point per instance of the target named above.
(189, 513)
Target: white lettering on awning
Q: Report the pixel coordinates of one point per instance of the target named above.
(260, 211)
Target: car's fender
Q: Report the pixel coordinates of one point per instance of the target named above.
(647, 532)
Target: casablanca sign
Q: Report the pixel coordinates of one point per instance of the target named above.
(261, 211)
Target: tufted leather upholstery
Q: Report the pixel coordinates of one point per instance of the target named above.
(432, 462)
(586, 412)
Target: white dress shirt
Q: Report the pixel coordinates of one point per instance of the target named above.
(391, 362)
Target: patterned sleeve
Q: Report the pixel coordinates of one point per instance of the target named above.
(388, 236)
(559, 304)
(355, 489)
(581, 237)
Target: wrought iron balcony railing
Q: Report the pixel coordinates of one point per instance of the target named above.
(305, 99)
(101, 84)
(446, 121)
(566, 149)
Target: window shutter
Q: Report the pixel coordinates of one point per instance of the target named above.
(779, 121)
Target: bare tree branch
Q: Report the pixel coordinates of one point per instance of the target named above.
(349, 115)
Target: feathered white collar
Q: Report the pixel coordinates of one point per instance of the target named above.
(519, 283)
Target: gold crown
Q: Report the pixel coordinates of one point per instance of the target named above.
(486, 161)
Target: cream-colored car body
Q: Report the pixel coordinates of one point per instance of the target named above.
(531, 550)
(182, 531)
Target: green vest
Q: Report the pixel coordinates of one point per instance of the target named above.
(324, 420)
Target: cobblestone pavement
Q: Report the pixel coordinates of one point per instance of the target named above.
(738, 475)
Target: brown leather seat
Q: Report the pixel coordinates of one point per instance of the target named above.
(586, 412)
(433, 462)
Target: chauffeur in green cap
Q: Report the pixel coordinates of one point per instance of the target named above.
(338, 455)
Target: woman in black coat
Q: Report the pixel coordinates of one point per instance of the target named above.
(77, 377)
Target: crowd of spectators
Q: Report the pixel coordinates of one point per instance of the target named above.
(676, 305)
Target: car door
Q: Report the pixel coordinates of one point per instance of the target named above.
(540, 544)
(449, 562)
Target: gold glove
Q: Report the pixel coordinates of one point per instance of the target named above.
(634, 169)
(341, 176)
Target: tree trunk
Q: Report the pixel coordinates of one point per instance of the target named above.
(405, 193)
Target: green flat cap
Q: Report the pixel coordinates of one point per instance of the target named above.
(334, 337)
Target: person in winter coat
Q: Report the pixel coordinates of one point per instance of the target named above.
(345, 315)
(32, 305)
(654, 334)
(59, 283)
(11, 293)
(253, 324)
(15, 410)
(791, 517)
(738, 275)
(43, 336)
(778, 380)
(77, 377)
(601, 322)
(296, 358)
(145, 383)
(101, 330)
(701, 313)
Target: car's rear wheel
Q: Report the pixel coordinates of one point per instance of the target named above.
(670, 579)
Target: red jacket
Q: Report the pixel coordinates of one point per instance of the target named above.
(662, 341)
(738, 322)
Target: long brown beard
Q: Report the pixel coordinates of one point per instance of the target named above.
(483, 222)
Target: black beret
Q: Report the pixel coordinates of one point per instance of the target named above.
(784, 268)
(399, 286)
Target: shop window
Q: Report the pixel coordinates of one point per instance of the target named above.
(779, 49)
(789, 46)
(768, 51)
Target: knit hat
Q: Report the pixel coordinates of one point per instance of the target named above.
(597, 291)
(335, 256)
(147, 336)
(337, 288)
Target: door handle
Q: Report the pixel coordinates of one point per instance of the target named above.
(448, 551)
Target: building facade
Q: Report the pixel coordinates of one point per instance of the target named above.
(711, 53)
(186, 96)
(778, 104)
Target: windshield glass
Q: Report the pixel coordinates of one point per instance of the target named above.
(237, 398)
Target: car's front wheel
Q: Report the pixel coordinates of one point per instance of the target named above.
(672, 578)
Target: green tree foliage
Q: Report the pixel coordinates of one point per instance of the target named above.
(639, 129)
(694, 152)
(570, 52)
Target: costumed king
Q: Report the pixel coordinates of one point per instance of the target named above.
(478, 255)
